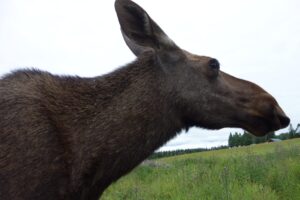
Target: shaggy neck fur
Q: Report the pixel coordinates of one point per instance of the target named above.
(126, 116)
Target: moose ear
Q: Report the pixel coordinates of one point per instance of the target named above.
(140, 32)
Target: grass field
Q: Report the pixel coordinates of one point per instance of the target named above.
(269, 171)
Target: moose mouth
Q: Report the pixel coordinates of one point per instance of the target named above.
(260, 126)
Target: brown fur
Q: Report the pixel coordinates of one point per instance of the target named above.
(69, 137)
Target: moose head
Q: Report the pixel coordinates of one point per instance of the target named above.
(205, 96)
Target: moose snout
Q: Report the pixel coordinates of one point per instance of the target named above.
(283, 119)
(266, 115)
(277, 117)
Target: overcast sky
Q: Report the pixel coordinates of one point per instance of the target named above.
(254, 40)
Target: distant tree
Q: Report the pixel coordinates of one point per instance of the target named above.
(293, 132)
(238, 139)
(297, 131)
(235, 140)
(246, 138)
(230, 141)
(162, 154)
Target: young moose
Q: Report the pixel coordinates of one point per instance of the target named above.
(69, 138)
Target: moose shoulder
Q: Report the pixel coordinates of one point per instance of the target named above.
(67, 137)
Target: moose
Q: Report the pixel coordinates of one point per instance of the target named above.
(68, 138)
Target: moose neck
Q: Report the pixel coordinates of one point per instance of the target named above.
(135, 117)
(146, 116)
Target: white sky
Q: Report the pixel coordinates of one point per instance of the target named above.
(254, 40)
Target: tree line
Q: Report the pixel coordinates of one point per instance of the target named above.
(238, 139)
(161, 154)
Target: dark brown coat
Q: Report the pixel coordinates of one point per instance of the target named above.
(69, 137)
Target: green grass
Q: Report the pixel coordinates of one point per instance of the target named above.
(265, 171)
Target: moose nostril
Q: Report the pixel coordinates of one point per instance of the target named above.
(214, 63)
(284, 120)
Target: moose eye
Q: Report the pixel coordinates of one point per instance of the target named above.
(214, 64)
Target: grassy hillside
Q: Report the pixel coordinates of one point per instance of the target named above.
(267, 171)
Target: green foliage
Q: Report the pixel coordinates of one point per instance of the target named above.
(238, 139)
(293, 132)
(261, 172)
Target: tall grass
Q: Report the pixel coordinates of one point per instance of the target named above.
(270, 173)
